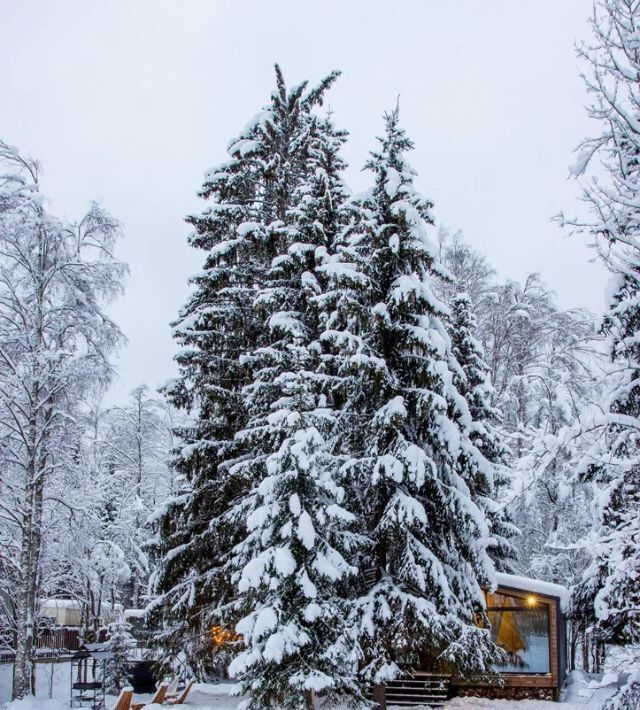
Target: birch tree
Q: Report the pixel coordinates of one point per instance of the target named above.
(136, 450)
(609, 595)
(55, 341)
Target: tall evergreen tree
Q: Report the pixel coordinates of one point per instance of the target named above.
(291, 565)
(472, 381)
(249, 358)
(427, 538)
(610, 594)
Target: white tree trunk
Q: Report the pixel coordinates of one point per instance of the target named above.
(29, 556)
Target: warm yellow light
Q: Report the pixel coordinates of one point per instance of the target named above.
(532, 600)
(222, 637)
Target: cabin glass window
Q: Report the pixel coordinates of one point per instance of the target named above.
(521, 627)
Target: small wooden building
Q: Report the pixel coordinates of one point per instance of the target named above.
(62, 612)
(527, 620)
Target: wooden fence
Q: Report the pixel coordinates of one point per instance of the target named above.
(53, 642)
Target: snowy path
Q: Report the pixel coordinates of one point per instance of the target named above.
(209, 696)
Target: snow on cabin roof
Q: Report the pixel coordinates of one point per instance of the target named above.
(60, 603)
(536, 586)
(135, 613)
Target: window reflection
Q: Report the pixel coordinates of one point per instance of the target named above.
(521, 628)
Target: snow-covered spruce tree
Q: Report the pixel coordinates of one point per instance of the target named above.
(221, 330)
(473, 384)
(426, 552)
(293, 562)
(610, 593)
(55, 340)
(119, 643)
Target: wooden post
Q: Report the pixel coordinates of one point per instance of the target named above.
(380, 697)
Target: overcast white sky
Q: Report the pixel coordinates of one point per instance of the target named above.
(129, 101)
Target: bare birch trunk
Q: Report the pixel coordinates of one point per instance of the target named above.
(23, 671)
(25, 621)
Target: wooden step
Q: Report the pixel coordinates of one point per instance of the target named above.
(417, 689)
(416, 703)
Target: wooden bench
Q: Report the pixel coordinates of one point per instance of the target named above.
(157, 699)
(179, 699)
(124, 699)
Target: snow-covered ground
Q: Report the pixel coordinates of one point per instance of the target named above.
(51, 679)
(581, 694)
